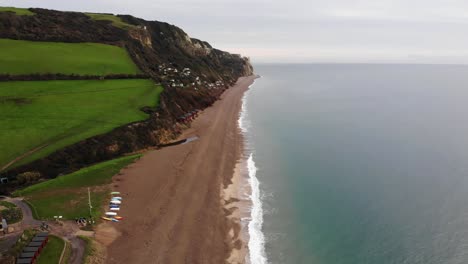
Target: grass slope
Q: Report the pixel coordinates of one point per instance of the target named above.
(18, 11)
(52, 251)
(25, 57)
(56, 114)
(116, 21)
(68, 196)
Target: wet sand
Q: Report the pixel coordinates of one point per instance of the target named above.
(174, 202)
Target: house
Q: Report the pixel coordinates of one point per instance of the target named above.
(25, 261)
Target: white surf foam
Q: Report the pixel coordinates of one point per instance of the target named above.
(256, 237)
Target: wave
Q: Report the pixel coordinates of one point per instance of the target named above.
(256, 237)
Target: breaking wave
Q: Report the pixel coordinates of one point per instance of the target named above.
(256, 237)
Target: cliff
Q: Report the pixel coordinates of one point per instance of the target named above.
(193, 74)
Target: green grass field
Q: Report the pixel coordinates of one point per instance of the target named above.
(116, 21)
(68, 195)
(56, 114)
(52, 251)
(26, 57)
(18, 11)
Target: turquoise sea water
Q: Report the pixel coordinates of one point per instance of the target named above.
(361, 163)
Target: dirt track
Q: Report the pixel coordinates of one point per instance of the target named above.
(171, 197)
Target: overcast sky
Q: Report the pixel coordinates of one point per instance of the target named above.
(414, 31)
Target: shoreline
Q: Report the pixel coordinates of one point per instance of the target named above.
(175, 198)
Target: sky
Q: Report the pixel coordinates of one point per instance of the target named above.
(306, 31)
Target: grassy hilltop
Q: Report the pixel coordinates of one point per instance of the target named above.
(40, 117)
(55, 114)
(18, 11)
(26, 57)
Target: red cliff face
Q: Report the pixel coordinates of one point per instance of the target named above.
(193, 73)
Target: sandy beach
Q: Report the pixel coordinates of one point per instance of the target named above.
(180, 202)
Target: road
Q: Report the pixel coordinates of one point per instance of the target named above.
(28, 219)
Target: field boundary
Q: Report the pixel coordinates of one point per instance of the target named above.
(60, 76)
(24, 155)
(65, 245)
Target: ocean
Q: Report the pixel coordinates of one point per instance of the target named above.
(358, 163)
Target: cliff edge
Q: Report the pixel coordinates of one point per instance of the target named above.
(192, 72)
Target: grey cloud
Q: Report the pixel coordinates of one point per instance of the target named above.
(413, 31)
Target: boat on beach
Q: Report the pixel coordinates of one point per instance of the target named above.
(111, 213)
(115, 202)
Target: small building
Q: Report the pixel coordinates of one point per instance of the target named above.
(25, 261)
(40, 239)
(36, 244)
(4, 225)
(28, 255)
(42, 234)
(31, 249)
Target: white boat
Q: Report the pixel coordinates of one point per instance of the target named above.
(111, 213)
(115, 209)
(117, 198)
(115, 193)
(115, 202)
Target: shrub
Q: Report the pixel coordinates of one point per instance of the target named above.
(28, 177)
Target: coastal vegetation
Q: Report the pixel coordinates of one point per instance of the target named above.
(116, 21)
(68, 195)
(18, 11)
(49, 115)
(30, 57)
(52, 251)
(22, 241)
(10, 212)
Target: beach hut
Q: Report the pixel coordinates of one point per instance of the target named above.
(40, 245)
(31, 249)
(40, 239)
(27, 255)
(42, 234)
(33, 254)
(25, 261)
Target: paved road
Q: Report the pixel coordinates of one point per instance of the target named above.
(28, 220)
(78, 247)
